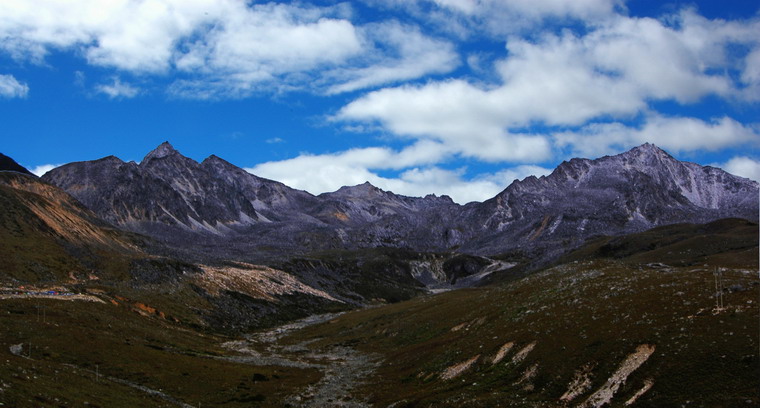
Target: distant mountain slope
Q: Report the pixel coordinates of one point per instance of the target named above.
(8, 164)
(637, 190)
(227, 209)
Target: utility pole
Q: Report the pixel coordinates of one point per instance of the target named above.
(715, 280)
(718, 275)
(720, 284)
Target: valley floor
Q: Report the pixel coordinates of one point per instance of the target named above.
(583, 334)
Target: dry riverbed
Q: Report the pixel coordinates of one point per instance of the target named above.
(343, 368)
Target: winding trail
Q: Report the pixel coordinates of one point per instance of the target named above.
(343, 368)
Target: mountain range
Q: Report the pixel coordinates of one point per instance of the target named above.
(224, 211)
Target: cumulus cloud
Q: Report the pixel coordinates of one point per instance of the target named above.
(117, 89)
(751, 76)
(416, 55)
(418, 177)
(744, 167)
(136, 35)
(225, 48)
(675, 134)
(264, 43)
(10, 87)
(499, 17)
(40, 170)
(566, 80)
(466, 119)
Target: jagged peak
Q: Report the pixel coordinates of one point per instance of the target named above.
(109, 159)
(165, 149)
(216, 159)
(646, 150)
(365, 187)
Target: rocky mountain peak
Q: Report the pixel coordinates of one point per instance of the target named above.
(165, 149)
(646, 153)
(214, 158)
(109, 160)
(219, 164)
(360, 190)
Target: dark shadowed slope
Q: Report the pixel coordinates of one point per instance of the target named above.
(8, 164)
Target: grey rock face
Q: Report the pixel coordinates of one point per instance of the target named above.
(640, 189)
(165, 191)
(216, 205)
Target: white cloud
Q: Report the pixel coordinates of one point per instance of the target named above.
(673, 134)
(744, 167)
(129, 35)
(416, 55)
(612, 72)
(10, 87)
(499, 17)
(468, 120)
(117, 89)
(324, 173)
(225, 48)
(684, 61)
(265, 43)
(419, 154)
(531, 9)
(751, 76)
(43, 168)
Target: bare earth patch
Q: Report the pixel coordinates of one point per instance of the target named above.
(259, 282)
(603, 395)
(520, 356)
(503, 350)
(457, 369)
(648, 383)
(580, 384)
(343, 368)
(527, 376)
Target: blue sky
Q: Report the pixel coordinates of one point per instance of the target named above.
(456, 97)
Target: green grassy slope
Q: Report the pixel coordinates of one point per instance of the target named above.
(86, 353)
(584, 319)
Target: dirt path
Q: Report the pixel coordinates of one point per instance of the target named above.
(343, 368)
